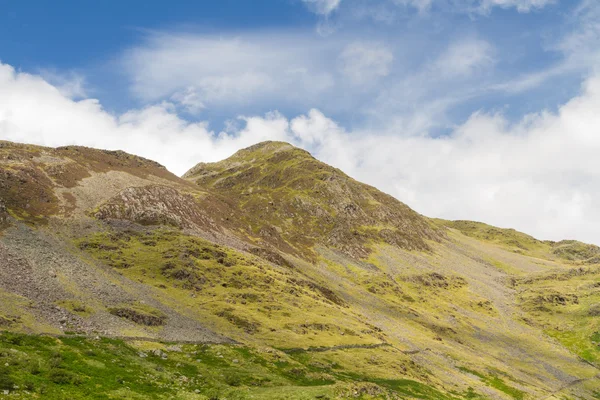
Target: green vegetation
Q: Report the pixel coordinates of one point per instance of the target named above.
(80, 368)
(236, 293)
(292, 201)
(496, 382)
(573, 250)
(509, 238)
(322, 287)
(76, 307)
(565, 305)
(521, 243)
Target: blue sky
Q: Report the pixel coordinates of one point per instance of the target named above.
(475, 109)
(91, 38)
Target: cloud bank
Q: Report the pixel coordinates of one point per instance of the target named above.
(540, 175)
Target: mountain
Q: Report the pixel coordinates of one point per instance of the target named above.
(273, 275)
(291, 201)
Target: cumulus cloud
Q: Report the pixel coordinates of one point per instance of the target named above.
(540, 175)
(71, 84)
(32, 110)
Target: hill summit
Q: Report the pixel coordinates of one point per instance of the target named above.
(292, 201)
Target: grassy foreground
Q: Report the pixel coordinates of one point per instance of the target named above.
(85, 368)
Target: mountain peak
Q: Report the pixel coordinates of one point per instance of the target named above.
(293, 202)
(268, 146)
(256, 153)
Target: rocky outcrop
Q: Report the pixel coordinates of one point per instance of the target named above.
(576, 251)
(156, 205)
(3, 215)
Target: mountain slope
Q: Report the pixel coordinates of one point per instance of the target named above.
(284, 277)
(566, 250)
(292, 201)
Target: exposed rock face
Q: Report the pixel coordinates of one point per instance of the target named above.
(155, 205)
(30, 175)
(142, 318)
(3, 215)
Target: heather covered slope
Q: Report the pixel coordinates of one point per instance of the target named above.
(273, 275)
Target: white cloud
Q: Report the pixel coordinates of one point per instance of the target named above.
(465, 58)
(190, 99)
(323, 7)
(33, 111)
(581, 44)
(365, 62)
(415, 103)
(522, 6)
(579, 50)
(215, 71)
(71, 84)
(475, 6)
(541, 176)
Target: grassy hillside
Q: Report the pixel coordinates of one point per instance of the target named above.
(521, 243)
(273, 275)
(291, 201)
(229, 291)
(87, 368)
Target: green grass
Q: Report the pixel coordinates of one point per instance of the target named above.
(82, 368)
(510, 239)
(497, 383)
(573, 250)
(236, 293)
(76, 307)
(521, 243)
(573, 323)
(307, 199)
